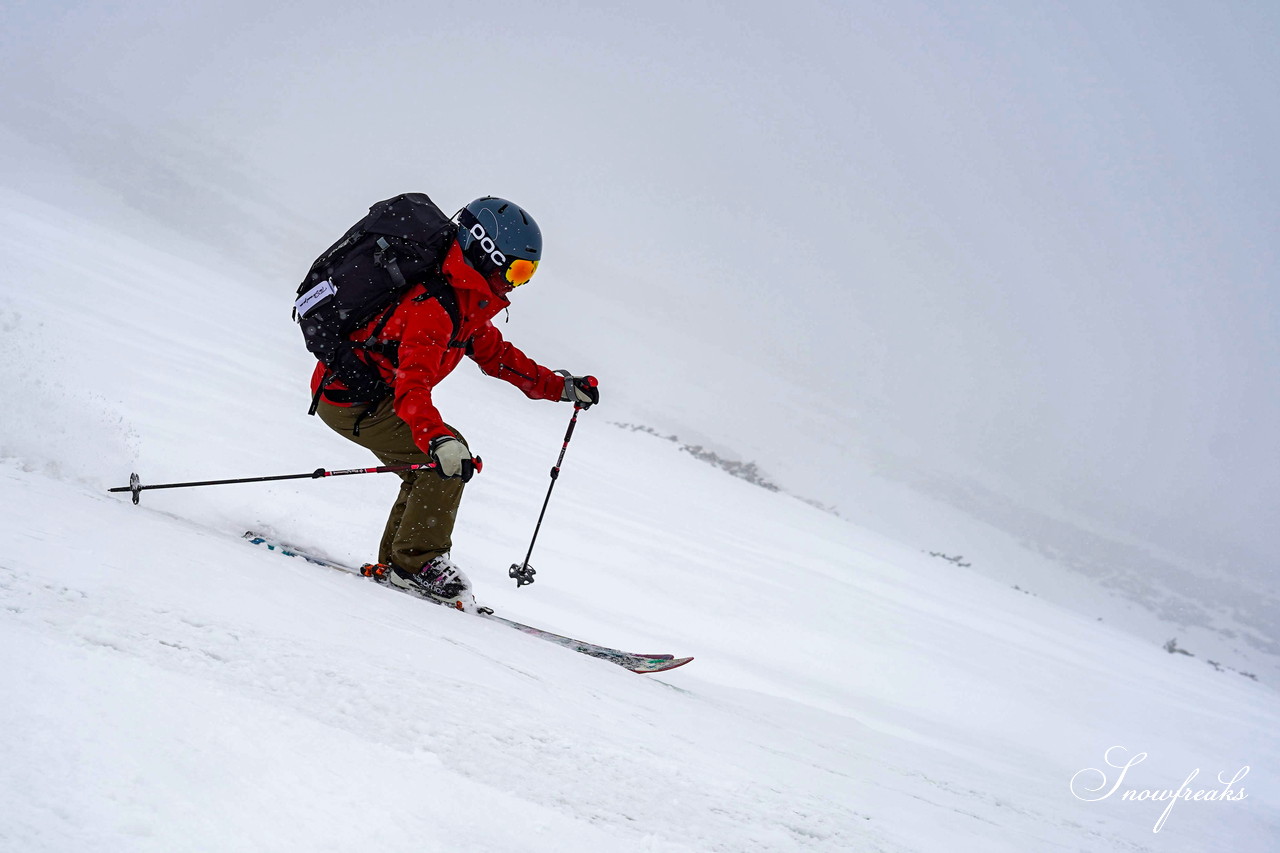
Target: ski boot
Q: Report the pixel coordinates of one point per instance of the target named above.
(439, 580)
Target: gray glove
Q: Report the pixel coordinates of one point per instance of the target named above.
(582, 391)
(453, 459)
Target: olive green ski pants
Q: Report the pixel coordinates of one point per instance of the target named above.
(420, 526)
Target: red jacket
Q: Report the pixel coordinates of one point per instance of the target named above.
(424, 329)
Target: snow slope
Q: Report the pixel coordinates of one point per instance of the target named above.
(169, 687)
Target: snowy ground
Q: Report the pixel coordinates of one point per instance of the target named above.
(168, 687)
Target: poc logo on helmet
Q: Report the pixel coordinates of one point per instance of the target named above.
(486, 243)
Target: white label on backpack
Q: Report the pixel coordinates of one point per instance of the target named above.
(314, 297)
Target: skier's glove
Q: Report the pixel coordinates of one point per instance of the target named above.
(582, 391)
(453, 459)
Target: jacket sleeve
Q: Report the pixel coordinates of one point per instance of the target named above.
(423, 362)
(499, 358)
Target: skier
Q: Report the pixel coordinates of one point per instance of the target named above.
(414, 346)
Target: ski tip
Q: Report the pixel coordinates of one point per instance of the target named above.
(662, 664)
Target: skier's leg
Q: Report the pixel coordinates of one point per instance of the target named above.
(420, 525)
(425, 530)
(397, 513)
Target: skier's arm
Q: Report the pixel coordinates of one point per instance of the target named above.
(422, 352)
(499, 358)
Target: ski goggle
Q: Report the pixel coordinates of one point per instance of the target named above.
(519, 271)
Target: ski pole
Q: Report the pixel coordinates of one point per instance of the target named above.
(135, 484)
(523, 572)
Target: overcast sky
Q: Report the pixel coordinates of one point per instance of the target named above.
(1033, 239)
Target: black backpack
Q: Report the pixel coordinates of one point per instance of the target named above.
(401, 243)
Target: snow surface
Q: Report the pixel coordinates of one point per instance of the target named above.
(167, 686)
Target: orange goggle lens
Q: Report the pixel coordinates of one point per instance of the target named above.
(520, 271)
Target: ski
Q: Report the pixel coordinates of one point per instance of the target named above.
(643, 663)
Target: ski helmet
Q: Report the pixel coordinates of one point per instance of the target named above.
(500, 241)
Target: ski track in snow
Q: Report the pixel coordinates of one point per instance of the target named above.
(169, 687)
(640, 756)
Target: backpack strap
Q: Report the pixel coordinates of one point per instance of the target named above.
(385, 257)
(325, 379)
(434, 288)
(343, 397)
(441, 291)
